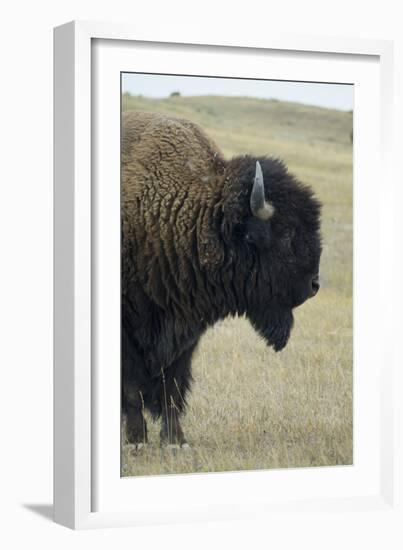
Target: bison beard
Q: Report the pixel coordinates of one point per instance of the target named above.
(274, 325)
(201, 241)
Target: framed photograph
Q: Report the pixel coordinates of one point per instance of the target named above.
(222, 216)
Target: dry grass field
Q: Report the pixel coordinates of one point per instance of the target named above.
(251, 408)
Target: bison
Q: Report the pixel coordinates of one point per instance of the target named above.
(202, 238)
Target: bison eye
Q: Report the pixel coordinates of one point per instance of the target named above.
(257, 234)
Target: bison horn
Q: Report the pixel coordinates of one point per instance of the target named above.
(260, 208)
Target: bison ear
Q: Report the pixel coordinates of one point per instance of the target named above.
(210, 251)
(260, 207)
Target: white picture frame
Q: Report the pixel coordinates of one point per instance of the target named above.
(88, 492)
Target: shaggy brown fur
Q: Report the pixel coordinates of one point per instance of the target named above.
(193, 253)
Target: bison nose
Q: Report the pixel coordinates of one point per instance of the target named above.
(315, 286)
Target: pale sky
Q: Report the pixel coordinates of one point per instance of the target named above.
(334, 96)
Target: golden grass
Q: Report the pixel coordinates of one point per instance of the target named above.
(251, 408)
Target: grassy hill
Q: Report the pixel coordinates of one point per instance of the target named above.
(251, 408)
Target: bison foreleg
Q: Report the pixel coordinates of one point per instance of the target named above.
(176, 382)
(136, 427)
(171, 430)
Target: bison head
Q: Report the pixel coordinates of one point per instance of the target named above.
(275, 235)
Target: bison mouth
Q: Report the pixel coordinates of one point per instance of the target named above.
(275, 326)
